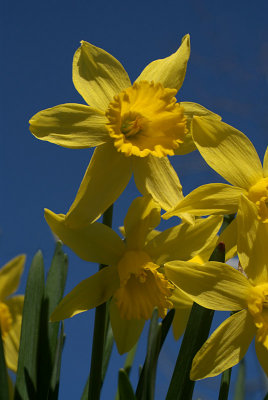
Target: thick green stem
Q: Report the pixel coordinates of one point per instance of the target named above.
(225, 384)
(95, 377)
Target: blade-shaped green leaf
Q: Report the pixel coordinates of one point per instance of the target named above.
(3, 372)
(55, 379)
(124, 386)
(225, 384)
(28, 357)
(240, 384)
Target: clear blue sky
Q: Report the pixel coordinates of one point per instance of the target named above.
(227, 73)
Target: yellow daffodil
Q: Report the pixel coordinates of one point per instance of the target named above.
(134, 126)
(230, 153)
(218, 286)
(11, 309)
(134, 278)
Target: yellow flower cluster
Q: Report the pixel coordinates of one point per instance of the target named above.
(134, 127)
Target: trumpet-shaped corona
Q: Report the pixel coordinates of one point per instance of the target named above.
(142, 287)
(258, 308)
(258, 193)
(5, 319)
(146, 119)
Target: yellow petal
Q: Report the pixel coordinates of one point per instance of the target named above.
(12, 338)
(228, 151)
(169, 71)
(157, 177)
(180, 299)
(88, 294)
(93, 242)
(265, 163)
(214, 198)
(191, 110)
(183, 241)
(10, 276)
(262, 354)
(180, 321)
(225, 348)
(97, 75)
(229, 238)
(126, 332)
(142, 217)
(70, 125)
(105, 179)
(213, 285)
(252, 242)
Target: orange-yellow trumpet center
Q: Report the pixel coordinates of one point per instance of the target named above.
(258, 193)
(5, 319)
(142, 287)
(146, 119)
(258, 308)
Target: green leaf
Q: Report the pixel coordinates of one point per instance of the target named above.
(196, 333)
(4, 394)
(55, 379)
(48, 334)
(124, 386)
(26, 381)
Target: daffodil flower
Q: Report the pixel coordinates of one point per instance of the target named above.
(135, 127)
(11, 309)
(218, 286)
(230, 153)
(133, 278)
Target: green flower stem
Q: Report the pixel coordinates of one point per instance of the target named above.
(225, 384)
(240, 385)
(95, 377)
(196, 333)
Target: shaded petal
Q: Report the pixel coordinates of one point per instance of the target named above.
(12, 339)
(214, 198)
(213, 285)
(169, 71)
(229, 238)
(180, 299)
(183, 241)
(228, 151)
(191, 110)
(180, 321)
(10, 275)
(88, 294)
(105, 179)
(157, 177)
(265, 163)
(142, 217)
(93, 242)
(97, 75)
(262, 354)
(252, 242)
(225, 347)
(70, 125)
(126, 332)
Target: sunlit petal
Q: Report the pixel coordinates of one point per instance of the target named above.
(225, 347)
(229, 238)
(228, 151)
(126, 332)
(88, 294)
(10, 275)
(169, 71)
(105, 179)
(143, 216)
(214, 198)
(265, 163)
(70, 125)
(183, 241)
(97, 75)
(252, 242)
(93, 242)
(213, 285)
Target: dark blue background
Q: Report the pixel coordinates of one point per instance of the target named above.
(227, 73)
